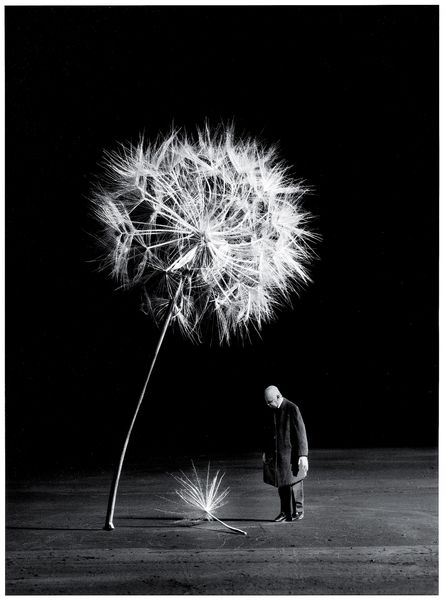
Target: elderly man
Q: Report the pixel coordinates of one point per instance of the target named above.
(285, 462)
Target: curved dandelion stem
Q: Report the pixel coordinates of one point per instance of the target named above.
(109, 526)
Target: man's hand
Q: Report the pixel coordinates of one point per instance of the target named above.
(303, 464)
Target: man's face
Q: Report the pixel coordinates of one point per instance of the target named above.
(272, 397)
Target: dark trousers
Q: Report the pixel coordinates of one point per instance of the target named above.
(291, 498)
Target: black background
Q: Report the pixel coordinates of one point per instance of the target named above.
(350, 94)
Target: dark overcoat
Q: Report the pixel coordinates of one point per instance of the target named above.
(284, 442)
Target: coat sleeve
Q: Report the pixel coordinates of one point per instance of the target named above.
(298, 434)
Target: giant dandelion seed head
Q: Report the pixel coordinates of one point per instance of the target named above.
(212, 221)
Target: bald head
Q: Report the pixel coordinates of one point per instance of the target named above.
(272, 396)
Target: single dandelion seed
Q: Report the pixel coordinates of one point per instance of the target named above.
(212, 230)
(204, 494)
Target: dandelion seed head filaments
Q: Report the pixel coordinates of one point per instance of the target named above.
(202, 494)
(213, 221)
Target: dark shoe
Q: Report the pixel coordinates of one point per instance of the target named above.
(280, 518)
(298, 516)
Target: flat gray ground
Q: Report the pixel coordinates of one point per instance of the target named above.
(370, 528)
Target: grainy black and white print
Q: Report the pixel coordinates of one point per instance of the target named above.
(222, 300)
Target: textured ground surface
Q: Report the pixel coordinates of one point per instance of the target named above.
(370, 528)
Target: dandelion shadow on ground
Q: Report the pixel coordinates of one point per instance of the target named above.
(54, 528)
(195, 521)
